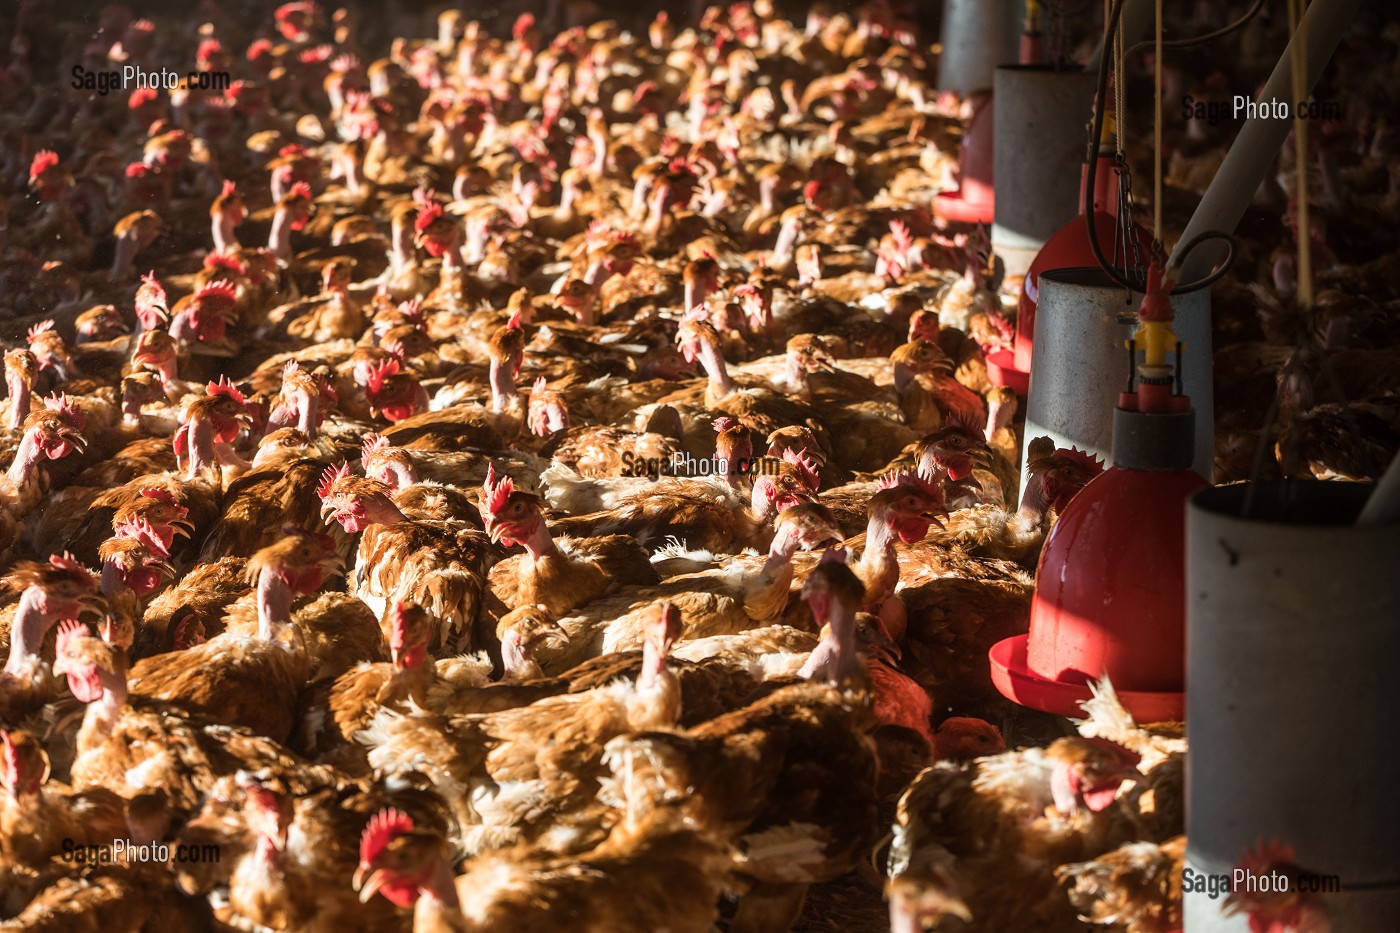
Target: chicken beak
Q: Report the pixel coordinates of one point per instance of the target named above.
(981, 455)
(367, 882)
(556, 636)
(181, 527)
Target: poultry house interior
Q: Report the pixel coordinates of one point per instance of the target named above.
(559, 465)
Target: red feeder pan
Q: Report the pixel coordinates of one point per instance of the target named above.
(1110, 586)
(974, 202)
(1003, 371)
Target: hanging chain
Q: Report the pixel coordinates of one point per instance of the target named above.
(1125, 247)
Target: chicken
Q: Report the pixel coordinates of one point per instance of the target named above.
(235, 676)
(128, 749)
(662, 874)
(709, 238)
(505, 785)
(58, 589)
(1293, 908)
(49, 433)
(1136, 887)
(739, 595)
(789, 781)
(437, 564)
(39, 817)
(559, 575)
(1055, 476)
(713, 522)
(968, 833)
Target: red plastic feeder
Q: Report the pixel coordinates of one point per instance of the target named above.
(1110, 595)
(1110, 599)
(974, 202)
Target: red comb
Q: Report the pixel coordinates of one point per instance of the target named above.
(496, 493)
(385, 826)
(834, 555)
(230, 188)
(300, 190)
(208, 47)
(514, 322)
(140, 97)
(429, 212)
(67, 408)
(287, 10)
(1264, 856)
(539, 385)
(220, 288)
(44, 160)
(894, 478)
(523, 24)
(223, 261)
(811, 477)
(224, 387)
(968, 421)
(1085, 459)
(67, 561)
(724, 423)
(161, 495)
(900, 231)
(137, 170)
(381, 371)
(42, 327)
(69, 629)
(329, 476)
(412, 311)
(374, 443)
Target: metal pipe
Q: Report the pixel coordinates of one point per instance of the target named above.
(1383, 508)
(1252, 154)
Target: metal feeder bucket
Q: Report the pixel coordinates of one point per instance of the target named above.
(1080, 365)
(1040, 115)
(978, 35)
(1293, 704)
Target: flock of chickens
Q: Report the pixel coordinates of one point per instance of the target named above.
(348, 543)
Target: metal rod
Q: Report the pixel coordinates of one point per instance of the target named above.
(1252, 155)
(1137, 16)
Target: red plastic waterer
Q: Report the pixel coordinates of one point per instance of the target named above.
(1067, 248)
(1110, 586)
(974, 202)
